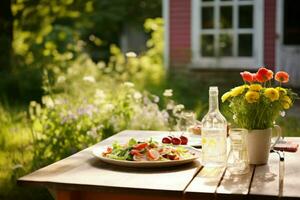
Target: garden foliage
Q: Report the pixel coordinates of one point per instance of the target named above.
(92, 101)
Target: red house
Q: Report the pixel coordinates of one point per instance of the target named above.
(233, 34)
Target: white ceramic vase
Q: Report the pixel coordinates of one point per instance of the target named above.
(259, 144)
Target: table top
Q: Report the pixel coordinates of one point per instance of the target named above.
(83, 171)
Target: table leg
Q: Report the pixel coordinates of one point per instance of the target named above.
(68, 195)
(89, 195)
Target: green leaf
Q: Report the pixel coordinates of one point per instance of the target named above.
(132, 142)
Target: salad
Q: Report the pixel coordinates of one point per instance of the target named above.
(150, 150)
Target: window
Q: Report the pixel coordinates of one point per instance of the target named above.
(291, 34)
(227, 33)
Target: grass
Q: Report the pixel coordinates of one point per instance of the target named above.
(16, 153)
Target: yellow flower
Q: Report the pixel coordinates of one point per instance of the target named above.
(272, 94)
(237, 91)
(286, 105)
(252, 96)
(286, 102)
(255, 87)
(245, 86)
(226, 96)
(281, 90)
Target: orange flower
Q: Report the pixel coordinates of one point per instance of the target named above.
(247, 76)
(270, 74)
(263, 75)
(282, 77)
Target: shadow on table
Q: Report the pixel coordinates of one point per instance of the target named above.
(262, 177)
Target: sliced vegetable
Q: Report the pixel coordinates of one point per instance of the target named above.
(146, 151)
(135, 152)
(140, 146)
(152, 154)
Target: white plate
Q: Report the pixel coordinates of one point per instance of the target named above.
(98, 153)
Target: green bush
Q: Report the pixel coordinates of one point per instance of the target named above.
(66, 124)
(92, 101)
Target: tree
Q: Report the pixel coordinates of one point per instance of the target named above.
(6, 35)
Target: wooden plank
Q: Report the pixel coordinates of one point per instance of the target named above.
(83, 170)
(265, 183)
(235, 186)
(205, 184)
(291, 183)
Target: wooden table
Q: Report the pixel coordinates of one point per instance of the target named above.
(82, 176)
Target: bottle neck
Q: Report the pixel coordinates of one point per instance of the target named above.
(213, 102)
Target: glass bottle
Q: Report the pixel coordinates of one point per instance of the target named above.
(214, 132)
(237, 162)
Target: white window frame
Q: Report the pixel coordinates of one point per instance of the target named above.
(228, 62)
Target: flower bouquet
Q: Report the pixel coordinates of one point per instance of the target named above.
(256, 105)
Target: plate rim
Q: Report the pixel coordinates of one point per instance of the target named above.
(128, 163)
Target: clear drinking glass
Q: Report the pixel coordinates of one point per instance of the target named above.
(237, 162)
(187, 120)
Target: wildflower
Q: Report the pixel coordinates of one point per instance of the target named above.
(247, 76)
(179, 107)
(130, 54)
(237, 91)
(168, 93)
(86, 110)
(255, 87)
(263, 75)
(282, 77)
(226, 96)
(272, 94)
(92, 133)
(109, 107)
(60, 101)
(129, 84)
(286, 102)
(170, 106)
(252, 96)
(137, 95)
(100, 94)
(101, 65)
(67, 118)
(47, 100)
(61, 79)
(90, 79)
(165, 115)
(33, 103)
(155, 99)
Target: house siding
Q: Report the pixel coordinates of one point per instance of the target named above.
(180, 32)
(269, 33)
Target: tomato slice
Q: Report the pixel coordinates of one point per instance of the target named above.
(140, 146)
(152, 154)
(135, 152)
